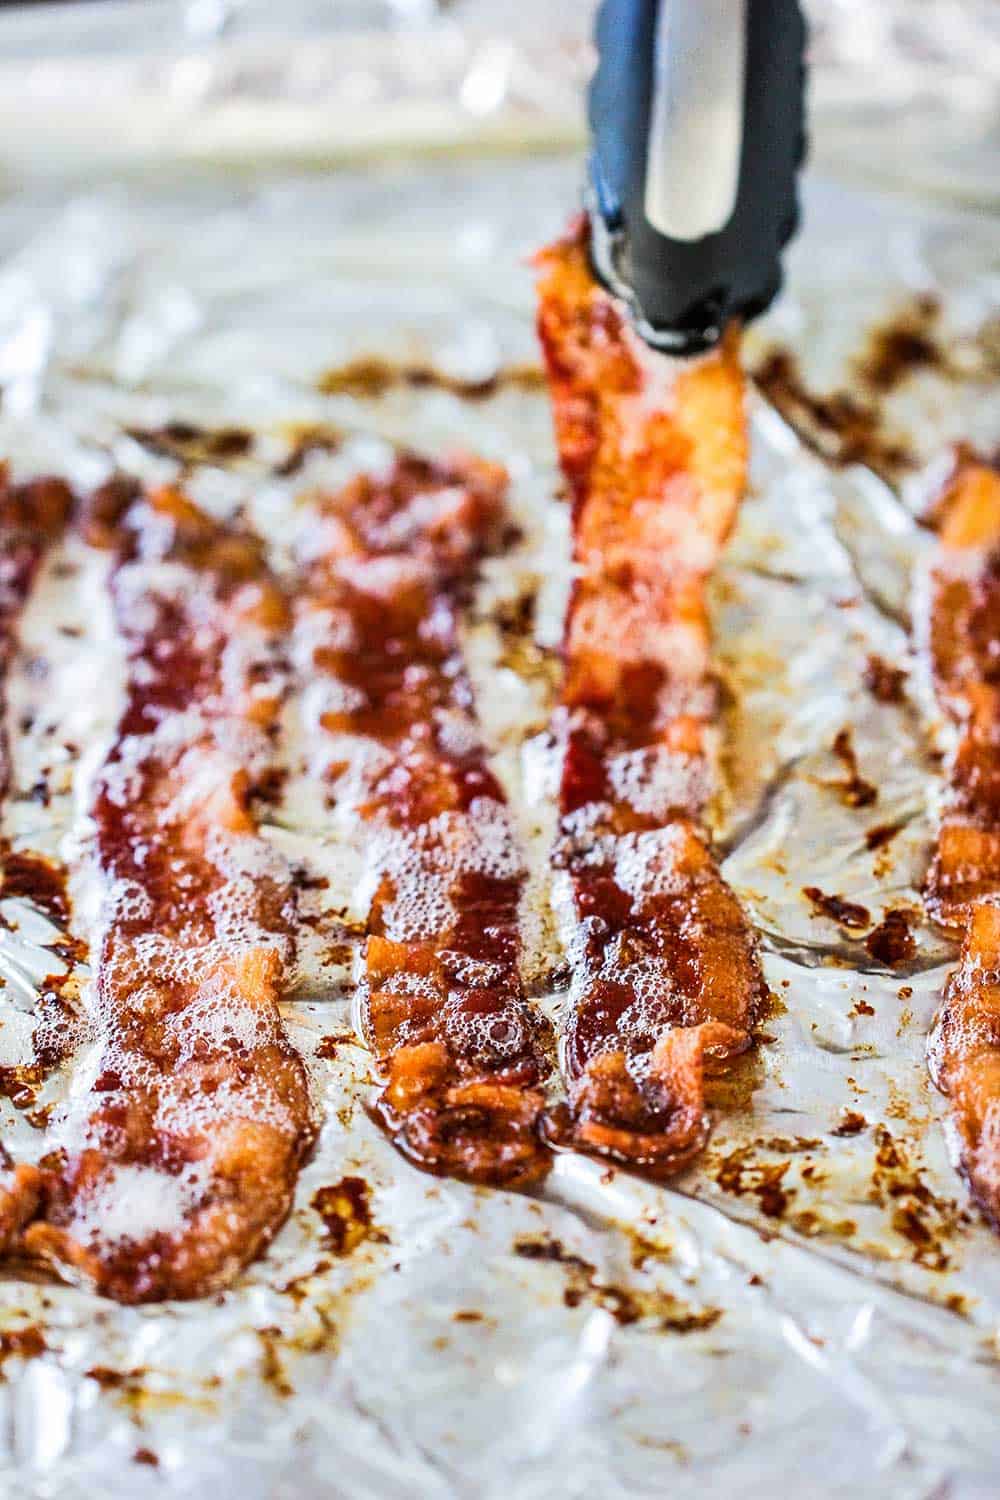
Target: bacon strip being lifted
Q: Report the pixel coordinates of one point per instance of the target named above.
(32, 516)
(665, 980)
(180, 1162)
(443, 1008)
(958, 612)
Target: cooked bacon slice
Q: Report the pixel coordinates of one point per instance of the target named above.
(960, 617)
(462, 1051)
(958, 614)
(964, 1054)
(180, 1162)
(665, 980)
(31, 517)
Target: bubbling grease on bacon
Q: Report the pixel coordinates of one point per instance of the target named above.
(32, 515)
(179, 1162)
(958, 616)
(462, 1051)
(665, 980)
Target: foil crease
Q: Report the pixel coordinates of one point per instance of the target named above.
(815, 1296)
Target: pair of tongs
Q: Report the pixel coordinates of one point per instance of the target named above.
(696, 111)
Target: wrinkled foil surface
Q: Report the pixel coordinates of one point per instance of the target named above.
(816, 1296)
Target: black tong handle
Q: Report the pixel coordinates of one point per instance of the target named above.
(697, 116)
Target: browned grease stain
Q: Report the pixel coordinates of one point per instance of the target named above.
(739, 677)
(845, 913)
(741, 1175)
(641, 1249)
(58, 1012)
(129, 1391)
(886, 683)
(304, 439)
(903, 343)
(882, 835)
(298, 1287)
(815, 1225)
(625, 1304)
(345, 1208)
(854, 790)
(839, 426)
(369, 377)
(329, 1046)
(790, 1145)
(40, 881)
(191, 444)
(514, 620)
(272, 1369)
(20, 1083)
(926, 1221)
(892, 941)
(116, 1380)
(277, 1347)
(146, 1456)
(338, 952)
(22, 1343)
(879, 840)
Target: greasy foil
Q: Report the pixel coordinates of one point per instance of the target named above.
(815, 1297)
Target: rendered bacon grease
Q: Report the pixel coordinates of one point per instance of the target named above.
(31, 517)
(665, 980)
(958, 612)
(462, 1051)
(178, 1163)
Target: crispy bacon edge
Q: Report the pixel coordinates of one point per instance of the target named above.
(666, 982)
(156, 837)
(462, 1051)
(32, 517)
(957, 614)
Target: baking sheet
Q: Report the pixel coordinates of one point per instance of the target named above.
(802, 1301)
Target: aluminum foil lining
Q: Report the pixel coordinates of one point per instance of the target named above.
(815, 1297)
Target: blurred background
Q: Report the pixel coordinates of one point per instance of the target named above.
(905, 92)
(206, 203)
